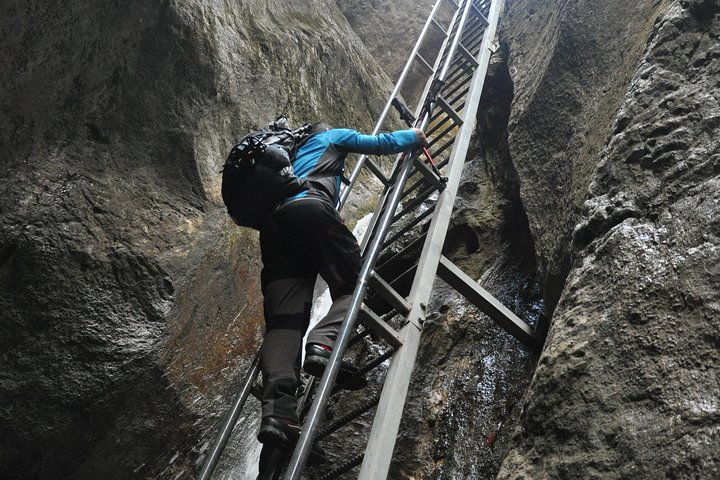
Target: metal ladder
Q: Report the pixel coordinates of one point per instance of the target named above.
(402, 251)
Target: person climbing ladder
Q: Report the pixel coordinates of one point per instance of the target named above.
(302, 238)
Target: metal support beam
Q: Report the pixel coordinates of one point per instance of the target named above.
(488, 304)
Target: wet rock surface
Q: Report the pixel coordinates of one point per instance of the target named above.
(128, 301)
(386, 22)
(571, 63)
(130, 306)
(627, 385)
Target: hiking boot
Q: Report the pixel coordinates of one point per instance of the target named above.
(279, 432)
(316, 359)
(283, 434)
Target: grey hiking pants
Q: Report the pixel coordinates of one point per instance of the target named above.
(302, 239)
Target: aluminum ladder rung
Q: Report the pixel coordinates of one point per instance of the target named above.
(424, 63)
(371, 365)
(435, 154)
(458, 98)
(489, 305)
(430, 176)
(398, 255)
(446, 131)
(473, 63)
(403, 276)
(387, 292)
(452, 88)
(439, 123)
(437, 25)
(443, 147)
(442, 103)
(474, 9)
(372, 166)
(379, 327)
(336, 425)
(377, 361)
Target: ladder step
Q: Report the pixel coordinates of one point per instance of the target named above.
(439, 27)
(449, 110)
(458, 80)
(440, 122)
(479, 15)
(468, 56)
(377, 361)
(446, 131)
(389, 294)
(429, 175)
(424, 63)
(419, 199)
(401, 282)
(488, 304)
(459, 97)
(379, 327)
(443, 147)
(408, 250)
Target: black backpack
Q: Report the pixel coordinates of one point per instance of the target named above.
(258, 173)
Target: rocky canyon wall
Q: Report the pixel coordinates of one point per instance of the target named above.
(128, 300)
(615, 138)
(130, 306)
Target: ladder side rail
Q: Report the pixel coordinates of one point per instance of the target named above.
(388, 105)
(230, 420)
(386, 424)
(440, 79)
(370, 232)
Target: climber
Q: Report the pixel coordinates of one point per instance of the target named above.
(302, 238)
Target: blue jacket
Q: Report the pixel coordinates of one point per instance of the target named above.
(320, 159)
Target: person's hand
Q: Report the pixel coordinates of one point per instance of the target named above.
(421, 139)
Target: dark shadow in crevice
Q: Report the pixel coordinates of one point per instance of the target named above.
(492, 145)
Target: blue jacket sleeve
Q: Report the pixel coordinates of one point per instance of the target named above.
(355, 142)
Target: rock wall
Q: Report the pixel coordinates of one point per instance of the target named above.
(128, 301)
(627, 384)
(570, 63)
(380, 23)
(129, 304)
